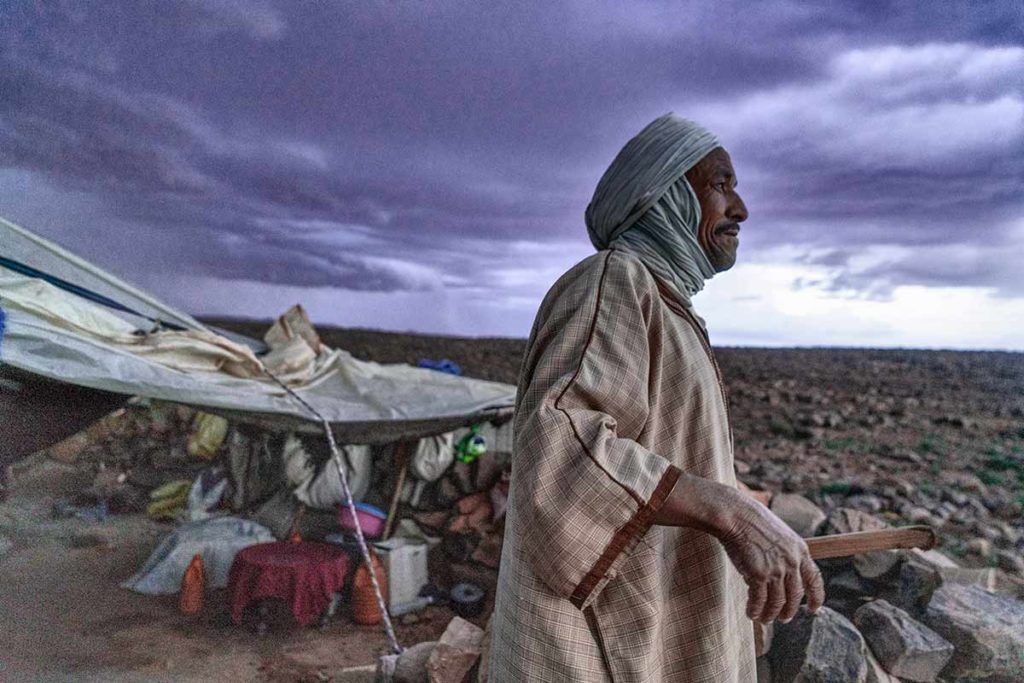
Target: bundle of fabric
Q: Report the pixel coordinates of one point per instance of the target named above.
(217, 540)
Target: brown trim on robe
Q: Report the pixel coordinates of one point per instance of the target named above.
(637, 526)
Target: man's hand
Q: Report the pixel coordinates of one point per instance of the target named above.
(773, 560)
(771, 557)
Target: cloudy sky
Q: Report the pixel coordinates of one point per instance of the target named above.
(425, 164)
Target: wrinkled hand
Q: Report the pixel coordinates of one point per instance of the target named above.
(773, 560)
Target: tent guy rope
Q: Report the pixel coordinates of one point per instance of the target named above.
(363, 549)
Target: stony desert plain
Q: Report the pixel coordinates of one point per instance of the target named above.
(909, 436)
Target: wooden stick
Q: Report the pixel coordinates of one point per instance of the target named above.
(844, 545)
(401, 456)
(759, 644)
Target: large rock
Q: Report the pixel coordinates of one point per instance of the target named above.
(488, 551)
(905, 648)
(802, 515)
(820, 648)
(385, 672)
(919, 579)
(934, 558)
(871, 565)
(411, 666)
(979, 546)
(762, 497)
(876, 564)
(962, 480)
(70, 448)
(1011, 562)
(455, 653)
(1009, 584)
(847, 520)
(984, 577)
(876, 673)
(867, 502)
(986, 630)
(847, 591)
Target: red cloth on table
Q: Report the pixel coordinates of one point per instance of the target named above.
(303, 574)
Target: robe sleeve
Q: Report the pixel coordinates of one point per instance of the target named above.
(585, 489)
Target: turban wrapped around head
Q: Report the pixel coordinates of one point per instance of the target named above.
(644, 204)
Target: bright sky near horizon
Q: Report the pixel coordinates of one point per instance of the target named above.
(424, 165)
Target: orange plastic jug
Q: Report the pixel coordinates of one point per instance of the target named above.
(193, 582)
(364, 602)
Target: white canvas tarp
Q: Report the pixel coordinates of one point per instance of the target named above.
(217, 540)
(62, 336)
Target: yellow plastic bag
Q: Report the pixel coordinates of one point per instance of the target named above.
(169, 499)
(207, 436)
(178, 488)
(166, 508)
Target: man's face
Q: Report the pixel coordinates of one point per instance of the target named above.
(721, 209)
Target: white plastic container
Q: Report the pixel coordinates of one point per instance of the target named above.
(405, 560)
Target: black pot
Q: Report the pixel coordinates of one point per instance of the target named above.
(467, 599)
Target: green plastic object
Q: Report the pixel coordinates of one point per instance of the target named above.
(471, 446)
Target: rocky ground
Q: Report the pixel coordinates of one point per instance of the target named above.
(907, 437)
(913, 436)
(923, 437)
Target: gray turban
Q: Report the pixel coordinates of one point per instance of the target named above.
(644, 204)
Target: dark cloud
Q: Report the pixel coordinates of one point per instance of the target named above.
(827, 206)
(986, 22)
(404, 145)
(992, 266)
(911, 146)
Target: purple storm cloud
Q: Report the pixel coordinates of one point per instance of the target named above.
(380, 148)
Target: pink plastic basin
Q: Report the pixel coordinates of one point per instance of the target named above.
(371, 519)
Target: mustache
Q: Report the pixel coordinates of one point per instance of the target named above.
(728, 226)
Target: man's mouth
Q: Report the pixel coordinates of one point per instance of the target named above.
(732, 230)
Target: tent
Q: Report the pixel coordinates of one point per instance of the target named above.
(77, 341)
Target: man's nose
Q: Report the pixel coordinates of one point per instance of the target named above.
(737, 210)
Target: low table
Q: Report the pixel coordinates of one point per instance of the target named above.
(305, 575)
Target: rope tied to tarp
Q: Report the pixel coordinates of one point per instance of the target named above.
(336, 457)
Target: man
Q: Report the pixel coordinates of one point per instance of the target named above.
(629, 553)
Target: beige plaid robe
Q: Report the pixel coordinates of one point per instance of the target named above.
(618, 393)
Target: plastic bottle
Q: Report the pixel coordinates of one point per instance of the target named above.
(364, 602)
(193, 583)
(471, 446)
